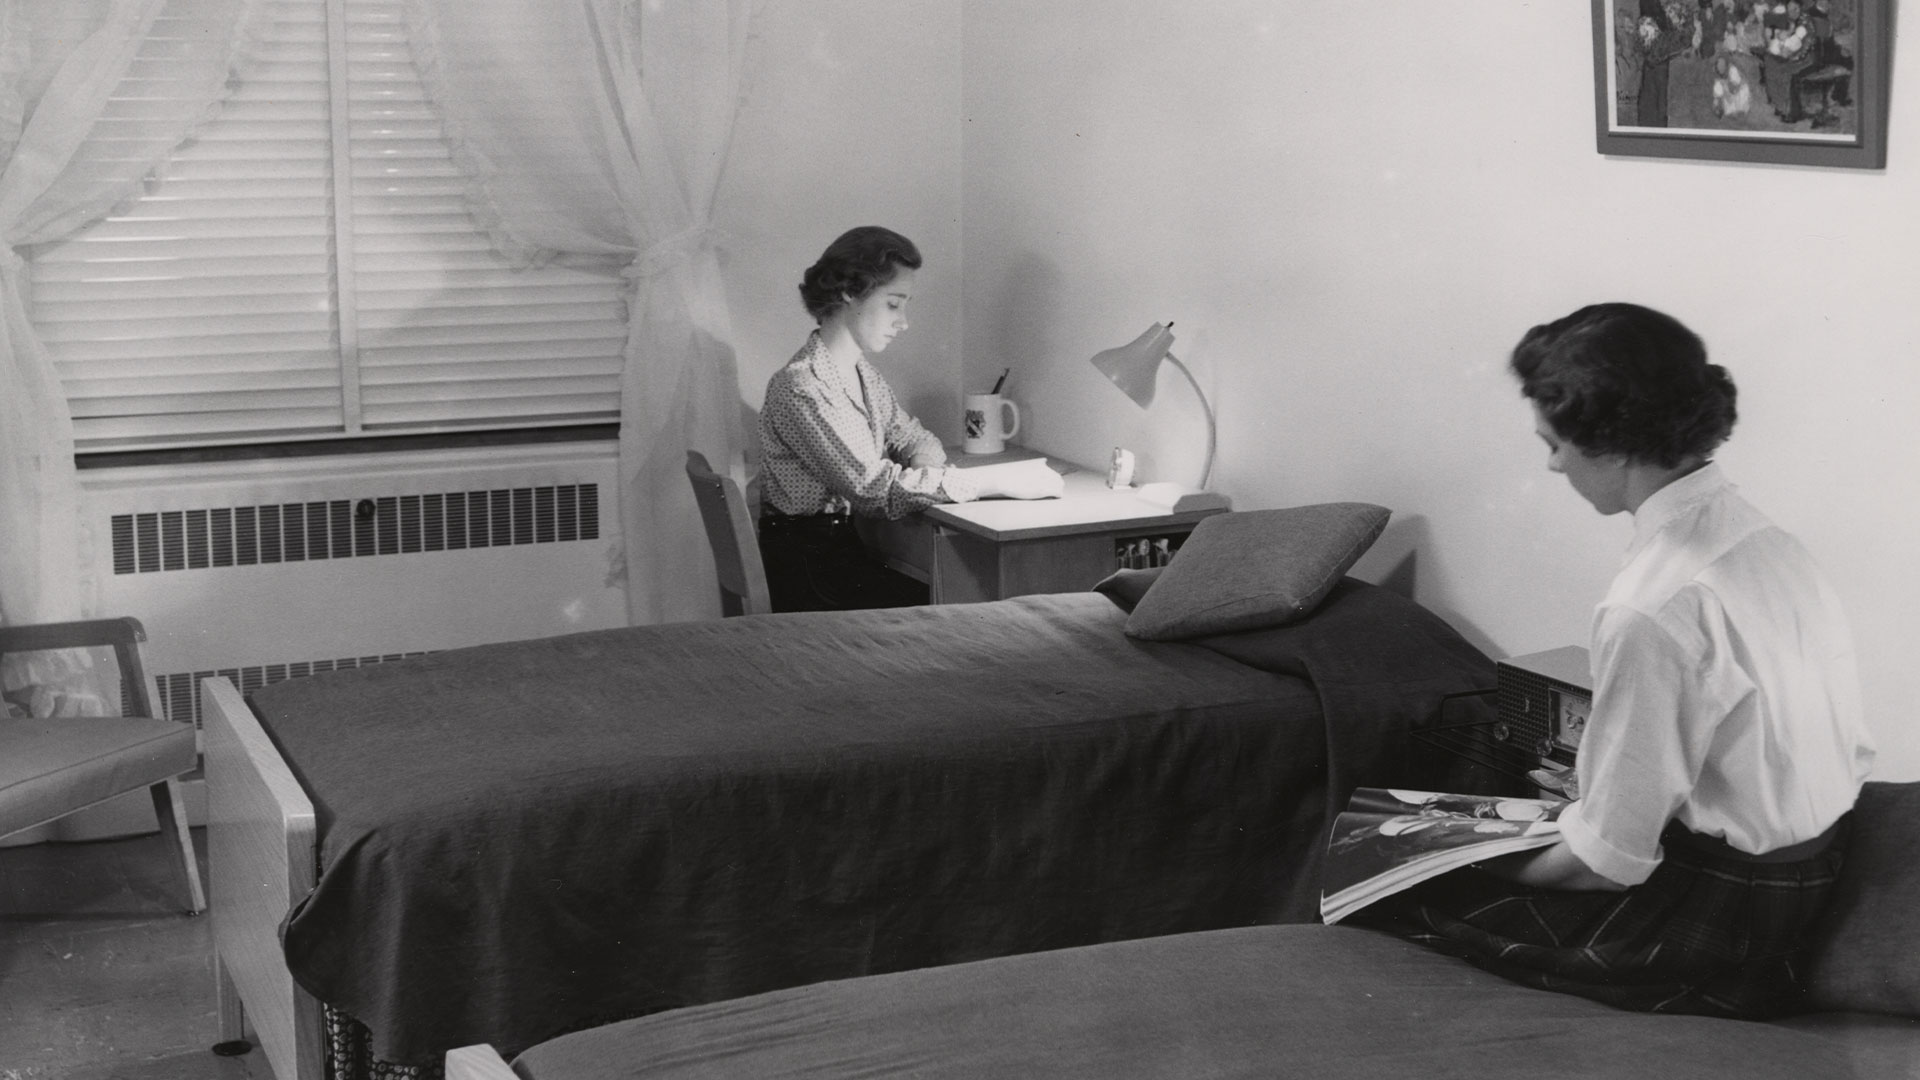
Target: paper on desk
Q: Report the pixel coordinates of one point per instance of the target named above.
(1002, 469)
(1030, 474)
(1008, 515)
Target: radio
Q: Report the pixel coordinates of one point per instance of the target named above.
(1541, 704)
(1544, 701)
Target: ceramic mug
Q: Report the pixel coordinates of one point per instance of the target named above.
(990, 421)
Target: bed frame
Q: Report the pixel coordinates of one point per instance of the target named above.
(480, 1062)
(261, 857)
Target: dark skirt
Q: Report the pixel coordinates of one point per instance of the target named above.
(818, 563)
(1711, 932)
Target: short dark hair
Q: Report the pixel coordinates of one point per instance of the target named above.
(854, 265)
(1625, 379)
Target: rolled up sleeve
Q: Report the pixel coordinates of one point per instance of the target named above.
(1643, 747)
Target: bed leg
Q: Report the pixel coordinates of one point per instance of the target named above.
(233, 1011)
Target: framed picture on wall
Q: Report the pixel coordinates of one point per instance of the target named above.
(1797, 82)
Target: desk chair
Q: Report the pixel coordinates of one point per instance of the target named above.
(736, 551)
(51, 768)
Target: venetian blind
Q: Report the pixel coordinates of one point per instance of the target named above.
(306, 267)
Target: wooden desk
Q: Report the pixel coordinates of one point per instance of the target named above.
(997, 548)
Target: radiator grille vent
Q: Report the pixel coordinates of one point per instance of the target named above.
(180, 692)
(346, 528)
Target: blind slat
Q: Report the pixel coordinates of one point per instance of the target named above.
(209, 346)
(209, 402)
(605, 350)
(209, 428)
(187, 319)
(583, 388)
(372, 338)
(398, 367)
(478, 411)
(228, 366)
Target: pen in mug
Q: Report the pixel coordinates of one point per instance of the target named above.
(1000, 382)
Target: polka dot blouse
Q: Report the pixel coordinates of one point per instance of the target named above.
(830, 447)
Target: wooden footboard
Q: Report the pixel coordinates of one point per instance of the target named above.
(478, 1062)
(260, 854)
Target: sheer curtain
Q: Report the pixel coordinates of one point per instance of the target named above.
(68, 153)
(572, 153)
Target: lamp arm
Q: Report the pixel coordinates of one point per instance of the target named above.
(1206, 474)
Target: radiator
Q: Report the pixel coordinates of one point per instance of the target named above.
(269, 570)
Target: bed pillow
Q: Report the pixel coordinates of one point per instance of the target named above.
(1255, 569)
(1126, 587)
(1866, 951)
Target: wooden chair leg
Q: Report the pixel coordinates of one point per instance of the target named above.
(171, 809)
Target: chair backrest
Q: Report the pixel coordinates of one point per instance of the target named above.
(736, 551)
(123, 635)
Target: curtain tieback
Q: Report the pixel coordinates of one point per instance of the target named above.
(674, 250)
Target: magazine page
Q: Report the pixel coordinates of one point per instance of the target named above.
(1389, 839)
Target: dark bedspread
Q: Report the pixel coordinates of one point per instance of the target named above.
(1326, 1002)
(520, 840)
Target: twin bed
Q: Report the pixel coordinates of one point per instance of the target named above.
(1305, 1000)
(508, 843)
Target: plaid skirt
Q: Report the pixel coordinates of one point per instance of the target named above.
(1711, 932)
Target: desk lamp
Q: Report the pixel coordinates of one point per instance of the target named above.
(1135, 369)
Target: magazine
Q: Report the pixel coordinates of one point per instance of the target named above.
(1389, 839)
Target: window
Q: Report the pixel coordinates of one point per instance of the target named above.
(305, 267)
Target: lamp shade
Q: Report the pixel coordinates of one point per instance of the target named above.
(1135, 366)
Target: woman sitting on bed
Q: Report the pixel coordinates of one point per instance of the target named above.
(835, 442)
(1726, 744)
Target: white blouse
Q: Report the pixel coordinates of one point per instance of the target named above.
(1726, 694)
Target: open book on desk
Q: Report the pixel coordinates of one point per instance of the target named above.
(1388, 840)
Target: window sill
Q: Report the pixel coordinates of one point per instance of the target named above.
(380, 444)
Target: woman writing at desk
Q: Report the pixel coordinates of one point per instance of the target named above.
(1725, 745)
(835, 442)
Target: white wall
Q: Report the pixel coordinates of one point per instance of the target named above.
(1352, 211)
(850, 119)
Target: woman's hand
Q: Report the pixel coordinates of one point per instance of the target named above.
(1031, 479)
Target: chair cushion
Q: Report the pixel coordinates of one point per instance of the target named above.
(1866, 952)
(50, 768)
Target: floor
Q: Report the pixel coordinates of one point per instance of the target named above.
(103, 976)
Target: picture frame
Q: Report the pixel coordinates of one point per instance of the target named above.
(1792, 82)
